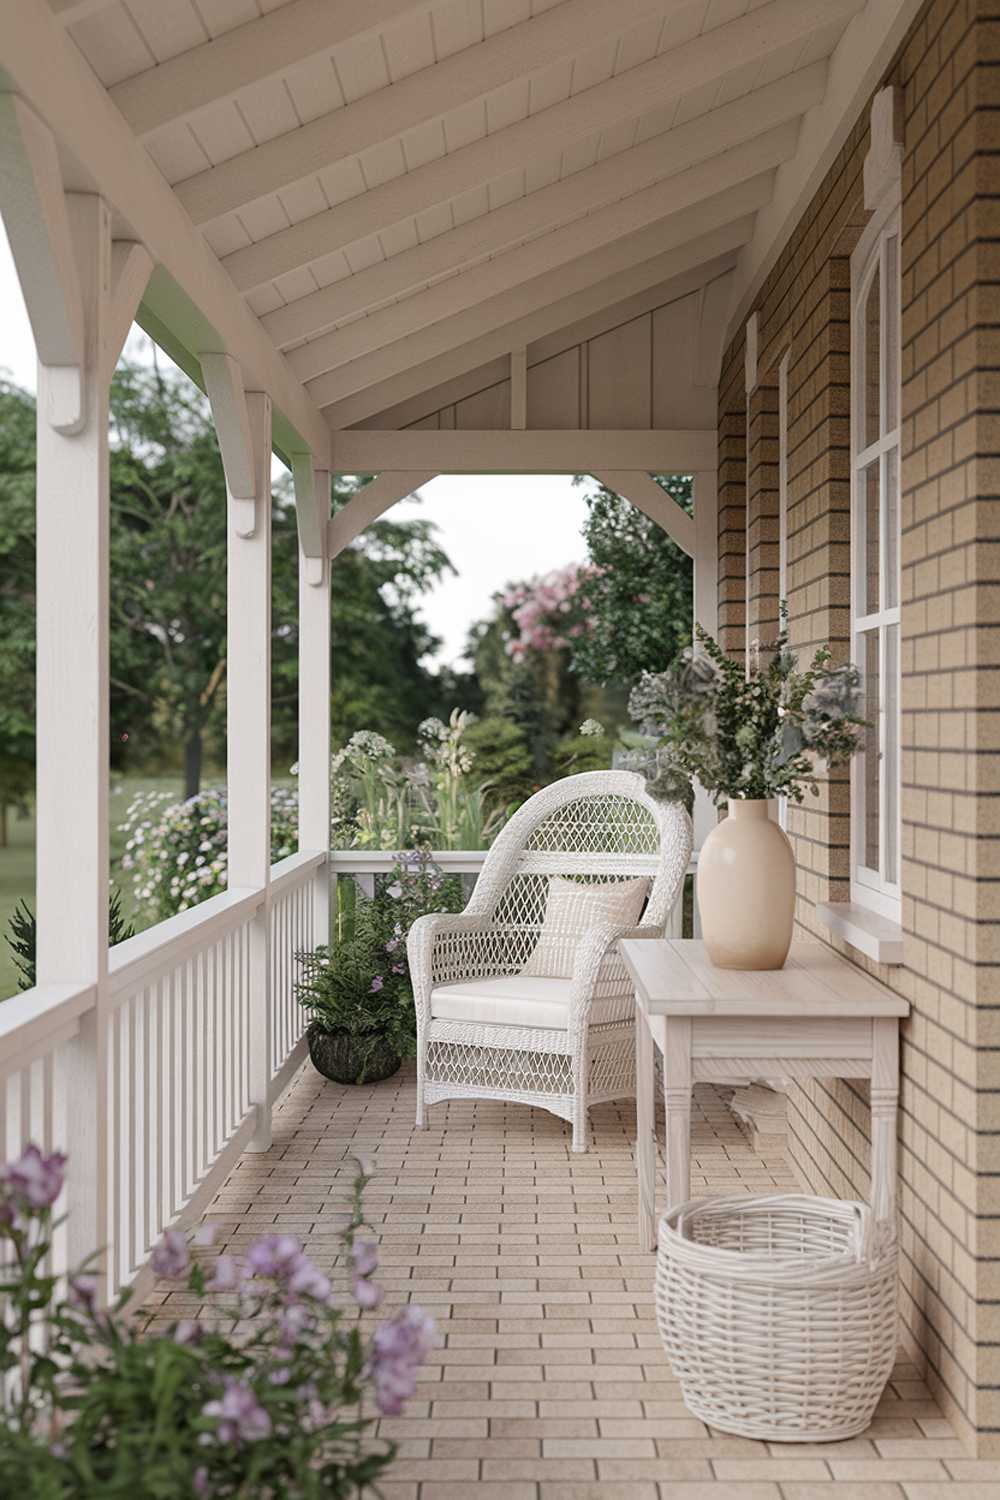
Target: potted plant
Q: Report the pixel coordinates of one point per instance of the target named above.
(747, 735)
(357, 994)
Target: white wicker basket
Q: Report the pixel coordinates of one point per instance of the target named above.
(778, 1314)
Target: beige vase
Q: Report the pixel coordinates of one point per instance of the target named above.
(746, 890)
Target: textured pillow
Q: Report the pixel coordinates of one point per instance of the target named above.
(571, 910)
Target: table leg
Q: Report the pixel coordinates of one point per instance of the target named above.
(677, 1100)
(884, 1105)
(645, 1125)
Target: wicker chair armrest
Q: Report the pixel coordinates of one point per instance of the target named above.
(598, 960)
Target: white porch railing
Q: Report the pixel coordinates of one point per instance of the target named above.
(364, 865)
(177, 1050)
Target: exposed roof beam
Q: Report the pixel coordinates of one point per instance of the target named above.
(425, 325)
(705, 60)
(535, 451)
(858, 63)
(44, 63)
(426, 95)
(256, 50)
(778, 109)
(684, 269)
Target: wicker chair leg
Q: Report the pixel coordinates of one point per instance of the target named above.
(581, 1140)
(421, 1114)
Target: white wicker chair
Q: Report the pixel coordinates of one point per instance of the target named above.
(477, 1037)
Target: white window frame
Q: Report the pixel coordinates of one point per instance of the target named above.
(878, 248)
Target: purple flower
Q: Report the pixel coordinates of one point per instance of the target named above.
(227, 1275)
(294, 1322)
(82, 1292)
(171, 1256)
(307, 1281)
(187, 1331)
(275, 1255)
(200, 1485)
(376, 984)
(399, 1347)
(240, 1416)
(364, 1254)
(34, 1180)
(367, 1294)
(399, 968)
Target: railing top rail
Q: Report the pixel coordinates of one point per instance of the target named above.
(41, 1014)
(290, 871)
(133, 962)
(380, 862)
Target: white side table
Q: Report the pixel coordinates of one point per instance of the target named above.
(818, 1017)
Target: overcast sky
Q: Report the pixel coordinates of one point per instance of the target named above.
(494, 528)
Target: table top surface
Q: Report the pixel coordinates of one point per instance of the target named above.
(674, 977)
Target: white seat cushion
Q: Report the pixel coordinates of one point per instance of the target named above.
(517, 1000)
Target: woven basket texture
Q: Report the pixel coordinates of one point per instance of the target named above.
(778, 1314)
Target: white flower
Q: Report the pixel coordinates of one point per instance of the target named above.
(592, 727)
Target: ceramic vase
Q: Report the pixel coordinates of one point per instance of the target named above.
(746, 889)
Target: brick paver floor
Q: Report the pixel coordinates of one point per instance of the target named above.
(550, 1382)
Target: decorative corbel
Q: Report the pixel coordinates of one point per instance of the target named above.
(751, 352)
(231, 413)
(312, 513)
(883, 167)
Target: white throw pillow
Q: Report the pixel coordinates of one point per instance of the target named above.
(571, 910)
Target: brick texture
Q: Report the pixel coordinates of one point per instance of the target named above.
(949, 73)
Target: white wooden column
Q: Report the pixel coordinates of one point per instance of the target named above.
(248, 697)
(314, 713)
(706, 602)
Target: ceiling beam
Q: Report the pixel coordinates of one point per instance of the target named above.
(652, 85)
(674, 273)
(378, 363)
(778, 108)
(535, 451)
(43, 63)
(390, 112)
(721, 189)
(858, 63)
(259, 49)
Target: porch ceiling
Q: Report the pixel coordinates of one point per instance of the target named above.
(401, 190)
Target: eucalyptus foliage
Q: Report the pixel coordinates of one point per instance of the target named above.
(262, 1398)
(746, 734)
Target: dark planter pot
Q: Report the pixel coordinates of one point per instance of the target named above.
(339, 1056)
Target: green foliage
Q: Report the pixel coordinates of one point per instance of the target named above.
(263, 1396)
(589, 749)
(747, 735)
(17, 601)
(361, 987)
(22, 936)
(637, 592)
(503, 758)
(176, 852)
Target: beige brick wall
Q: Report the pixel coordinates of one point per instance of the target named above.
(949, 72)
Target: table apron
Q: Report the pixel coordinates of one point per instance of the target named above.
(805, 1037)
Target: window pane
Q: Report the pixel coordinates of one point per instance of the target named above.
(870, 758)
(891, 529)
(890, 768)
(873, 349)
(870, 501)
(890, 357)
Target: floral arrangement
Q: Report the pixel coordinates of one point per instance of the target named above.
(549, 613)
(361, 987)
(175, 852)
(746, 734)
(93, 1405)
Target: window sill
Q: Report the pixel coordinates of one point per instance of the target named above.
(877, 937)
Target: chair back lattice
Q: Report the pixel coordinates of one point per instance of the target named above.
(595, 827)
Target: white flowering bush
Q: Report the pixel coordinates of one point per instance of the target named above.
(175, 852)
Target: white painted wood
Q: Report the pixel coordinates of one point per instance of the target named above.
(248, 54)
(871, 933)
(680, 206)
(645, 1131)
(231, 415)
(248, 741)
(883, 166)
(711, 332)
(377, 496)
(728, 215)
(387, 113)
(312, 513)
(672, 274)
(533, 452)
(72, 725)
(858, 63)
(42, 62)
(519, 389)
(131, 264)
(677, 1081)
(751, 352)
(511, 148)
(884, 1108)
(671, 151)
(646, 495)
(33, 205)
(71, 11)
(314, 726)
